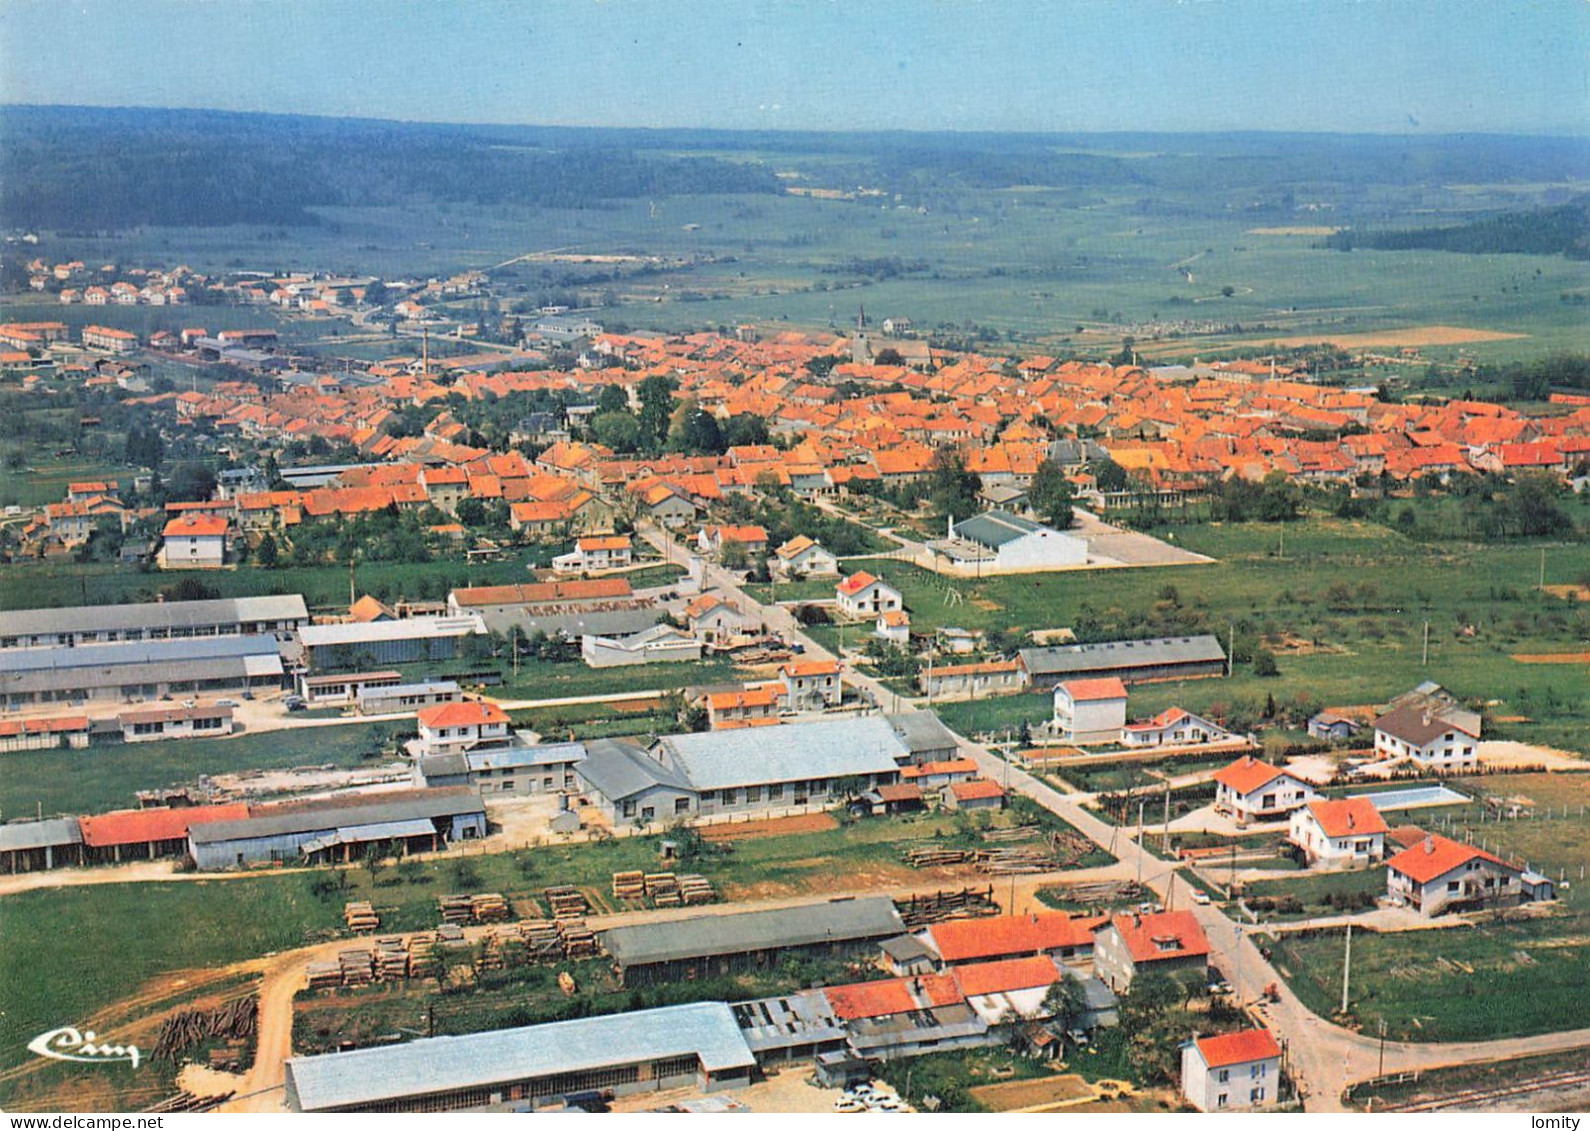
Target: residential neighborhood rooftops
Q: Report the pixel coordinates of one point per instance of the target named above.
(196, 526)
(969, 940)
(1435, 856)
(1163, 935)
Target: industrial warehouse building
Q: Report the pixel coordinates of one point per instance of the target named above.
(32, 846)
(138, 670)
(155, 620)
(1130, 661)
(341, 828)
(711, 946)
(742, 771)
(1001, 542)
(697, 1045)
(410, 640)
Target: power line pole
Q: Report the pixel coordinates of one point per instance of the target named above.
(1140, 806)
(1425, 662)
(1347, 966)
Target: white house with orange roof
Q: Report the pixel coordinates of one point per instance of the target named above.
(718, 540)
(1172, 727)
(1251, 790)
(861, 596)
(756, 706)
(453, 728)
(1339, 834)
(194, 541)
(811, 685)
(1090, 710)
(1231, 1072)
(1438, 875)
(894, 625)
(596, 552)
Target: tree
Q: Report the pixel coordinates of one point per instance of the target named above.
(617, 430)
(1066, 1002)
(1264, 664)
(656, 396)
(744, 429)
(1051, 495)
(1109, 475)
(951, 488)
(191, 483)
(268, 553)
(612, 398)
(888, 356)
(695, 431)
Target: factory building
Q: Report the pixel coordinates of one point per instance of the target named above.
(711, 946)
(153, 620)
(697, 1045)
(1130, 661)
(410, 640)
(138, 670)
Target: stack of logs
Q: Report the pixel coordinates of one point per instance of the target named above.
(391, 958)
(542, 939)
(490, 907)
(567, 902)
(360, 916)
(664, 889)
(235, 1022)
(968, 903)
(357, 966)
(579, 941)
(696, 889)
(629, 885)
(456, 908)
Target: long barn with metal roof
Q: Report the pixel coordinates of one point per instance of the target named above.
(151, 620)
(138, 670)
(1130, 661)
(697, 1045)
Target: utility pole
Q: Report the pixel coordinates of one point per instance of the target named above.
(1347, 966)
(1236, 986)
(1381, 1071)
(1164, 842)
(1140, 806)
(1425, 662)
(1231, 646)
(1543, 569)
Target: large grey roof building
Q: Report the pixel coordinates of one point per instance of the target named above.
(1131, 661)
(137, 670)
(706, 946)
(832, 748)
(153, 620)
(648, 1049)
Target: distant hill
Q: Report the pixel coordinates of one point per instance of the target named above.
(1564, 230)
(72, 167)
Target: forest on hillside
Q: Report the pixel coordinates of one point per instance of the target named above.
(1544, 231)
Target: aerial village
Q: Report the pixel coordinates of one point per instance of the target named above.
(773, 534)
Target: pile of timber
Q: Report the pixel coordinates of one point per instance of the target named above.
(227, 1058)
(511, 946)
(456, 908)
(489, 907)
(579, 941)
(324, 976)
(542, 940)
(1069, 847)
(629, 885)
(1020, 832)
(967, 903)
(934, 856)
(187, 1101)
(423, 961)
(450, 936)
(234, 1023)
(391, 958)
(663, 889)
(360, 916)
(490, 956)
(567, 902)
(1104, 892)
(1013, 861)
(459, 977)
(696, 889)
(357, 966)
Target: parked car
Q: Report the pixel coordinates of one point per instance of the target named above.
(1200, 897)
(226, 702)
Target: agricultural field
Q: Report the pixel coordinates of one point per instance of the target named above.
(1343, 611)
(1513, 975)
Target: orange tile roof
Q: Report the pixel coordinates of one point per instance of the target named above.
(932, 769)
(1168, 934)
(1434, 857)
(855, 583)
(765, 696)
(968, 940)
(1237, 1048)
(1006, 976)
(890, 996)
(1247, 774)
(979, 790)
(1093, 690)
(196, 526)
(143, 826)
(463, 714)
(1350, 816)
(9, 728)
(810, 667)
(584, 589)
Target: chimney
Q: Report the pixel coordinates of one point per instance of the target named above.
(1429, 846)
(1352, 819)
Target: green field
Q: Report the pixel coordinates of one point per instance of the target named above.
(1356, 593)
(98, 778)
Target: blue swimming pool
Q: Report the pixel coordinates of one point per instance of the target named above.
(1415, 798)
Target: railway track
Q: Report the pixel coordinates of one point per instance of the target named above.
(1568, 1078)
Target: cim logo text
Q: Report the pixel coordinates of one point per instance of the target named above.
(69, 1044)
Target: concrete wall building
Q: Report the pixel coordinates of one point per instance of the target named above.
(1008, 543)
(1342, 834)
(1439, 875)
(70, 731)
(1167, 942)
(1172, 727)
(659, 644)
(154, 620)
(697, 1045)
(134, 671)
(346, 687)
(194, 541)
(811, 685)
(1130, 661)
(1090, 710)
(409, 640)
(159, 723)
(1251, 790)
(1234, 1072)
(401, 698)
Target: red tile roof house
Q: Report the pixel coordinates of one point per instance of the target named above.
(1438, 875)
(811, 685)
(1231, 1072)
(194, 541)
(1090, 710)
(1056, 934)
(1250, 790)
(1334, 835)
(979, 794)
(862, 596)
(1168, 942)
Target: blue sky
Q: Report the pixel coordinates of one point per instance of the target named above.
(1385, 66)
